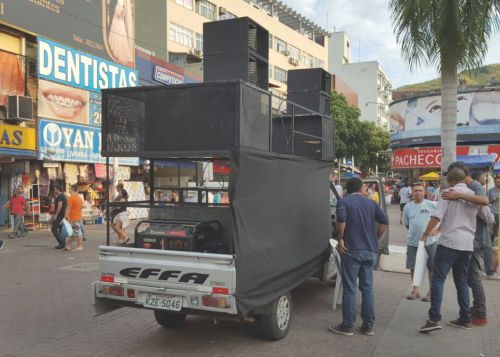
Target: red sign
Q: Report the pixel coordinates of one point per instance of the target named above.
(100, 171)
(413, 158)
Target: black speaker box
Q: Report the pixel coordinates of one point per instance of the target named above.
(319, 102)
(313, 136)
(311, 79)
(199, 119)
(236, 49)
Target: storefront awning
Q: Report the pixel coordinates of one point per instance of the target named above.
(497, 168)
(431, 176)
(477, 161)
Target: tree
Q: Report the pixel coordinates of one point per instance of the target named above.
(357, 138)
(450, 35)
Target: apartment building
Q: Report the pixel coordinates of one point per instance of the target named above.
(368, 79)
(295, 42)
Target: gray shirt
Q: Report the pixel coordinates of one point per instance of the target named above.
(483, 233)
(458, 221)
(493, 197)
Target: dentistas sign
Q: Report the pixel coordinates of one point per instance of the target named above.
(59, 63)
(61, 141)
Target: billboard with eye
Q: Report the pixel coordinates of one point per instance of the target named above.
(418, 120)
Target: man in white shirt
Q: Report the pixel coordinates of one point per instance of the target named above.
(404, 198)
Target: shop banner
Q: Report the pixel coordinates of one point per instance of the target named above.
(62, 64)
(95, 106)
(17, 137)
(59, 141)
(104, 28)
(430, 157)
(165, 76)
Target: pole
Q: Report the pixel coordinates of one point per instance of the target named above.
(376, 166)
(106, 201)
(352, 164)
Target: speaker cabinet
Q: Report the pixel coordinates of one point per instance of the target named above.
(310, 88)
(236, 49)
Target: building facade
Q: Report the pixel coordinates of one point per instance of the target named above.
(368, 79)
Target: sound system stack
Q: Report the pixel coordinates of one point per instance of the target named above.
(310, 88)
(236, 49)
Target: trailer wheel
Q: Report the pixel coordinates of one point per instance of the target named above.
(170, 319)
(275, 324)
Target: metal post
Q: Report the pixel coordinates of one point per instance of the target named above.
(106, 206)
(151, 182)
(293, 129)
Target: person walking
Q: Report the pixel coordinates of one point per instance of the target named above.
(416, 216)
(358, 243)
(119, 216)
(74, 217)
(404, 198)
(454, 250)
(60, 204)
(19, 207)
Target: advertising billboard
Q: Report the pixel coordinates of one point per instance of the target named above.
(104, 28)
(60, 141)
(418, 120)
(59, 63)
(17, 141)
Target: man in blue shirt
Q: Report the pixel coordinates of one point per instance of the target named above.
(357, 218)
(416, 216)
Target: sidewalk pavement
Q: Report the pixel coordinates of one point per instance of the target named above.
(46, 310)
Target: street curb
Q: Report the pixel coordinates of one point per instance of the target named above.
(395, 262)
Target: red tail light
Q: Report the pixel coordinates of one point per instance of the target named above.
(176, 233)
(108, 278)
(222, 291)
(131, 293)
(113, 290)
(215, 301)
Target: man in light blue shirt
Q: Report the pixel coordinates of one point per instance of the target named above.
(416, 216)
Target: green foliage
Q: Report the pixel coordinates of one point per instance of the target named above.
(357, 138)
(482, 77)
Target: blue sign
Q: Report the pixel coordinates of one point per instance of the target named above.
(166, 76)
(61, 141)
(95, 106)
(66, 65)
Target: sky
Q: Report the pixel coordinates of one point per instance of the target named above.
(369, 27)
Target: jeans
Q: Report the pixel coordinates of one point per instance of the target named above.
(18, 230)
(487, 253)
(495, 228)
(476, 284)
(358, 264)
(457, 260)
(56, 230)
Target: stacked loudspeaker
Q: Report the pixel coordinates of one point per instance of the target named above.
(310, 88)
(236, 49)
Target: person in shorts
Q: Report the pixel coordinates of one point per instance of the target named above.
(74, 217)
(416, 216)
(404, 198)
(19, 207)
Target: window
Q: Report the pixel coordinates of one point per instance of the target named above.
(280, 74)
(318, 63)
(270, 71)
(226, 15)
(206, 9)
(279, 45)
(271, 41)
(294, 51)
(186, 3)
(181, 35)
(306, 59)
(199, 42)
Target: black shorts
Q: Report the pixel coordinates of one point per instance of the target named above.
(402, 206)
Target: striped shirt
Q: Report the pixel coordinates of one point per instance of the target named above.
(458, 221)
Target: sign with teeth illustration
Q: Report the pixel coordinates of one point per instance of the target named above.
(57, 101)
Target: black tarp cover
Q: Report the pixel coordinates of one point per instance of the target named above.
(282, 226)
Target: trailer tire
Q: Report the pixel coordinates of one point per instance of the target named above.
(274, 325)
(170, 319)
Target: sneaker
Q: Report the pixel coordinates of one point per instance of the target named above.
(430, 326)
(60, 246)
(493, 277)
(340, 329)
(367, 331)
(2, 244)
(479, 321)
(460, 324)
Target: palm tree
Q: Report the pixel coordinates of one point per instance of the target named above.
(451, 35)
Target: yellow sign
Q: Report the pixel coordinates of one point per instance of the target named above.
(17, 137)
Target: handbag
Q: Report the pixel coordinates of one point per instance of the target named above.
(66, 229)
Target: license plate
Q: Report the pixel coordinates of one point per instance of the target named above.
(165, 302)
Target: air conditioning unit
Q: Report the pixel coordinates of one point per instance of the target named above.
(293, 60)
(286, 52)
(197, 52)
(222, 10)
(19, 108)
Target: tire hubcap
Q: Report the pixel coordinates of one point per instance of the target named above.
(283, 313)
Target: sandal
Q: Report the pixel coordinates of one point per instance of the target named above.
(413, 296)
